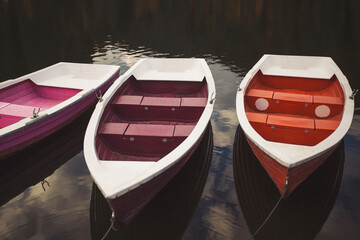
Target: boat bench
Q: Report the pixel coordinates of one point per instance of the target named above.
(295, 130)
(143, 138)
(293, 103)
(158, 108)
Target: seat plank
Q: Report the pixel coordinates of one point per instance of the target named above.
(290, 122)
(326, 124)
(193, 102)
(17, 110)
(328, 100)
(114, 128)
(293, 97)
(183, 130)
(260, 93)
(256, 117)
(150, 130)
(161, 102)
(128, 100)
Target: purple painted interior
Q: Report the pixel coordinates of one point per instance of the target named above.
(18, 101)
(146, 120)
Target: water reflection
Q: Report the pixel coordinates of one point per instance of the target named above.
(236, 32)
(29, 212)
(36, 163)
(168, 214)
(303, 214)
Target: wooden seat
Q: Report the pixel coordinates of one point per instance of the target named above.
(3, 104)
(293, 103)
(290, 122)
(128, 100)
(325, 124)
(161, 102)
(138, 108)
(260, 93)
(16, 110)
(256, 117)
(141, 139)
(293, 97)
(150, 130)
(328, 100)
(193, 102)
(114, 128)
(183, 130)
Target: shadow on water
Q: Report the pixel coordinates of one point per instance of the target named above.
(168, 214)
(34, 164)
(303, 214)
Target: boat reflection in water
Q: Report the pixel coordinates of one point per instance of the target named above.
(34, 164)
(168, 214)
(300, 216)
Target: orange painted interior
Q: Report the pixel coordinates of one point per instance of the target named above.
(291, 114)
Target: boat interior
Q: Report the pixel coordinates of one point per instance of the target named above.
(19, 101)
(294, 110)
(145, 120)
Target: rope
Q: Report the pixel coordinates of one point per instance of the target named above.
(272, 211)
(112, 220)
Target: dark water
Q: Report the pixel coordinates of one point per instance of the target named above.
(231, 35)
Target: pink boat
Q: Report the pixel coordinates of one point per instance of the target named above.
(38, 104)
(146, 128)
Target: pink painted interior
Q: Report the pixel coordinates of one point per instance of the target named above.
(18, 101)
(146, 120)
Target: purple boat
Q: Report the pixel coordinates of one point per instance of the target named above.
(35, 105)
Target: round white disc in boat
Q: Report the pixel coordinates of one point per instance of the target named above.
(322, 111)
(261, 104)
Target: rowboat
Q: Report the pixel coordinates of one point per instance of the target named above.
(145, 129)
(294, 111)
(38, 104)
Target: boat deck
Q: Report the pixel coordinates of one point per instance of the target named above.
(155, 115)
(294, 110)
(19, 101)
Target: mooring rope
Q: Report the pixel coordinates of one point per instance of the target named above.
(112, 220)
(272, 211)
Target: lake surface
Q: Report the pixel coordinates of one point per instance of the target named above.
(231, 36)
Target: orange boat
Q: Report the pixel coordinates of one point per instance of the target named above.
(294, 111)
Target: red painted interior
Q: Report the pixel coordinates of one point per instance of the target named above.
(146, 120)
(290, 116)
(18, 101)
